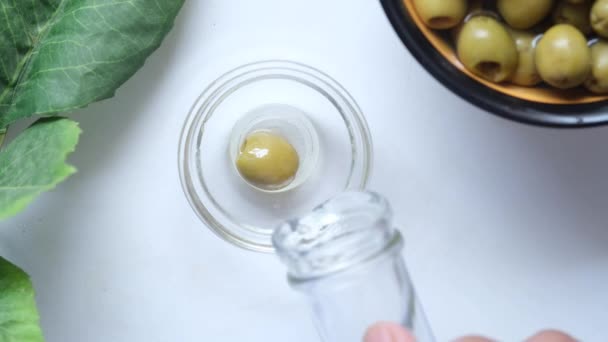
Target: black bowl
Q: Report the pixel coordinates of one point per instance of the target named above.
(541, 114)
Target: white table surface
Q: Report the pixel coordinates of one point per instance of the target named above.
(506, 224)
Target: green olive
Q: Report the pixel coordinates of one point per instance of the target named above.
(525, 74)
(475, 7)
(562, 57)
(598, 82)
(485, 48)
(441, 14)
(575, 14)
(599, 17)
(523, 14)
(267, 159)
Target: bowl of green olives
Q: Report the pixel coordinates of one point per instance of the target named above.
(541, 62)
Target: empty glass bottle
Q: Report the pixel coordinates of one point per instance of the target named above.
(345, 256)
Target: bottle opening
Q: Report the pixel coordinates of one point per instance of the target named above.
(348, 229)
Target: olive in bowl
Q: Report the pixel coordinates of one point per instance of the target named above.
(571, 96)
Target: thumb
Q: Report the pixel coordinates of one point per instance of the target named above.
(388, 332)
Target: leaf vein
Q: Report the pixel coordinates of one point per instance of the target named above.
(11, 89)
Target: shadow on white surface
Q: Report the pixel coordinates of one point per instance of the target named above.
(505, 224)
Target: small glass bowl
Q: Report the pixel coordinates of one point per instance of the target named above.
(287, 122)
(310, 109)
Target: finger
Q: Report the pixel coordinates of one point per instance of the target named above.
(474, 339)
(388, 332)
(551, 336)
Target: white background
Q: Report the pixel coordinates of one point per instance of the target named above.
(506, 224)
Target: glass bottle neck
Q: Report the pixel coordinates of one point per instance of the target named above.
(345, 256)
(350, 229)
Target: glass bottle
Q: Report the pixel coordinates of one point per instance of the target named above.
(345, 256)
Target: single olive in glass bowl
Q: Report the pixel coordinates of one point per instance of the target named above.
(267, 160)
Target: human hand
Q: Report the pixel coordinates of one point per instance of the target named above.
(392, 332)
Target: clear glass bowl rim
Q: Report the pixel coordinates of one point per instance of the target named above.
(243, 75)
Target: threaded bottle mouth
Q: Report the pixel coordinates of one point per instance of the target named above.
(346, 230)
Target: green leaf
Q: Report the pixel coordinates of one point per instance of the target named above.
(35, 162)
(59, 55)
(18, 313)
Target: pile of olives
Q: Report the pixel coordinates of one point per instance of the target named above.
(526, 42)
